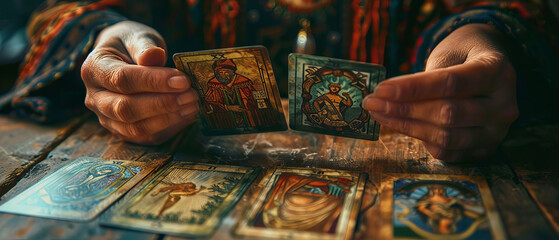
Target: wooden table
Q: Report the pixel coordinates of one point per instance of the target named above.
(523, 176)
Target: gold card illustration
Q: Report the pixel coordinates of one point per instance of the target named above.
(237, 90)
(305, 203)
(183, 199)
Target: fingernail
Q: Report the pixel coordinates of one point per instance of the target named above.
(185, 98)
(374, 104)
(178, 82)
(386, 91)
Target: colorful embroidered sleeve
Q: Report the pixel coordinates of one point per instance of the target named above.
(59, 37)
(535, 56)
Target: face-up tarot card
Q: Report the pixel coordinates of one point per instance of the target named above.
(79, 190)
(305, 203)
(325, 96)
(182, 199)
(237, 90)
(438, 207)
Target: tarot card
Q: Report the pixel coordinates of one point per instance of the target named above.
(183, 199)
(78, 191)
(237, 90)
(305, 203)
(438, 207)
(325, 96)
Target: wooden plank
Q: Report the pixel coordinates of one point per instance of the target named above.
(90, 140)
(532, 152)
(24, 144)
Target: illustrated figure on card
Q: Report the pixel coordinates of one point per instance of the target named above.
(331, 106)
(176, 191)
(305, 203)
(336, 96)
(230, 96)
(441, 211)
(439, 208)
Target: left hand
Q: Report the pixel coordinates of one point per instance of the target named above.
(461, 107)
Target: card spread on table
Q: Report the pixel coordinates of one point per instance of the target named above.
(305, 203)
(182, 199)
(438, 207)
(78, 191)
(325, 96)
(237, 90)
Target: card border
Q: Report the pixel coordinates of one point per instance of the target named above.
(242, 228)
(276, 99)
(212, 223)
(386, 203)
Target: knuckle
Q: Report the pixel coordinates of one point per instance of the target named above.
(90, 101)
(451, 84)
(166, 104)
(117, 81)
(86, 70)
(447, 116)
(400, 109)
(137, 130)
(152, 81)
(405, 126)
(122, 110)
(443, 138)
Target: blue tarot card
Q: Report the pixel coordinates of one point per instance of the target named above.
(439, 207)
(325, 96)
(79, 190)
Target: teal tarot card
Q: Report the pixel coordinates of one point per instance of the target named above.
(325, 96)
(79, 190)
(183, 199)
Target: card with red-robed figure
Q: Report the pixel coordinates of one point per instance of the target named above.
(237, 90)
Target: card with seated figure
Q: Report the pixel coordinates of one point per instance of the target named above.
(421, 206)
(237, 90)
(80, 190)
(303, 203)
(183, 199)
(325, 96)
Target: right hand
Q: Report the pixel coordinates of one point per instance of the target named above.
(133, 95)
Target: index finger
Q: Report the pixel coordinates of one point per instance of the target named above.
(130, 79)
(468, 79)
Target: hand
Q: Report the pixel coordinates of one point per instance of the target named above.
(464, 102)
(345, 94)
(236, 108)
(133, 96)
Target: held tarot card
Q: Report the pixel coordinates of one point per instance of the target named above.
(305, 203)
(325, 96)
(438, 207)
(79, 190)
(183, 199)
(237, 90)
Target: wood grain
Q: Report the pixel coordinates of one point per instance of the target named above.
(23, 145)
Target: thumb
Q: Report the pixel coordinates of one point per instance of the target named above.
(145, 46)
(147, 49)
